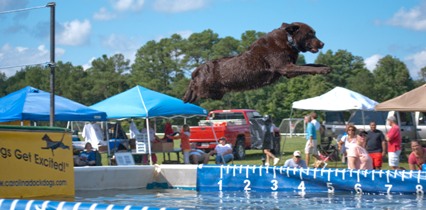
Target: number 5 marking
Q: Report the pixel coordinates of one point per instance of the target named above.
(330, 187)
(274, 184)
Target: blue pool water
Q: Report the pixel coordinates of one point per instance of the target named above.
(191, 199)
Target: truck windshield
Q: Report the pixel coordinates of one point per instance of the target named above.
(227, 116)
(376, 116)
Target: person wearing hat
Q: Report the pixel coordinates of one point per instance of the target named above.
(358, 157)
(296, 161)
(393, 137)
(223, 152)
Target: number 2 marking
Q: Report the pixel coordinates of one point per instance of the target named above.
(247, 187)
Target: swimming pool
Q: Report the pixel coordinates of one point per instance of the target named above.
(191, 199)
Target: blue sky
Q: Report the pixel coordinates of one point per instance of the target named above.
(88, 29)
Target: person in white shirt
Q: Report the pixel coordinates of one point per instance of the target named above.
(223, 152)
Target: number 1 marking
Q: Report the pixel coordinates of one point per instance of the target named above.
(220, 185)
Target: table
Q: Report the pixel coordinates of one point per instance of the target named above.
(166, 159)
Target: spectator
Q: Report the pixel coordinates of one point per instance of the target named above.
(168, 131)
(150, 135)
(197, 156)
(311, 140)
(296, 161)
(87, 157)
(358, 157)
(376, 145)
(417, 157)
(223, 152)
(346, 140)
(393, 137)
(184, 142)
(268, 141)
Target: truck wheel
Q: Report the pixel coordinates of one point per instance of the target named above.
(239, 150)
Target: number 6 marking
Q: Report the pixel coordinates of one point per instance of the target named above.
(274, 184)
(330, 187)
(357, 188)
(247, 187)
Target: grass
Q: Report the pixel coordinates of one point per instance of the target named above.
(253, 157)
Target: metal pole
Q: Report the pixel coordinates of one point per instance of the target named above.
(52, 62)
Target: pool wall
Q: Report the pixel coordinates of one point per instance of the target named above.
(134, 177)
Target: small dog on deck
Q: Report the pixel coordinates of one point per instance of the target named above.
(319, 164)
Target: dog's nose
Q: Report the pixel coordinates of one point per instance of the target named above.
(321, 44)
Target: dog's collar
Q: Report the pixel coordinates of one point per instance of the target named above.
(291, 42)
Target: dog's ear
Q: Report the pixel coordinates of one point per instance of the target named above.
(292, 28)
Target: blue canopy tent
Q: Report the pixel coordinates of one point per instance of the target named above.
(141, 102)
(33, 104)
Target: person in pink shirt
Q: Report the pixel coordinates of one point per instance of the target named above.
(393, 137)
(417, 157)
(358, 157)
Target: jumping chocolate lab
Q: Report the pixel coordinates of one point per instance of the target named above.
(268, 58)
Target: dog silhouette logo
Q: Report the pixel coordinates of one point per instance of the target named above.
(53, 145)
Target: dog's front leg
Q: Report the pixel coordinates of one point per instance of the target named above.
(293, 70)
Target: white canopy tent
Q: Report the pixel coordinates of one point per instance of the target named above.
(337, 99)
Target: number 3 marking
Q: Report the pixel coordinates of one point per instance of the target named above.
(274, 184)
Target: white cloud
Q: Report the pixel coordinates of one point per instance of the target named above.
(124, 45)
(17, 57)
(88, 64)
(175, 6)
(416, 62)
(371, 62)
(74, 33)
(103, 14)
(127, 5)
(414, 18)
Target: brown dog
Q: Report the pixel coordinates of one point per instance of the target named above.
(268, 58)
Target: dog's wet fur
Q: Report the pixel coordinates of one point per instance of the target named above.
(268, 58)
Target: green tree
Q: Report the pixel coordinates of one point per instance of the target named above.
(199, 48)
(343, 65)
(106, 76)
(392, 78)
(158, 65)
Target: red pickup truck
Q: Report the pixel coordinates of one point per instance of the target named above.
(243, 128)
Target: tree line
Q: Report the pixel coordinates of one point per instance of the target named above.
(166, 65)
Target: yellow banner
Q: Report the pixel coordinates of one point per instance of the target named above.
(36, 163)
